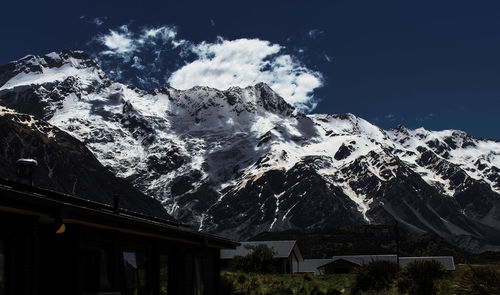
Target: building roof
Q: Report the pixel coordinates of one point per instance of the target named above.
(282, 249)
(25, 199)
(362, 259)
(446, 261)
(310, 265)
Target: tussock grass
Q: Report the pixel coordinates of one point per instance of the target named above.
(467, 279)
(305, 284)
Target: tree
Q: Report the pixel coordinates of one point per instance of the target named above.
(260, 260)
(375, 276)
(419, 277)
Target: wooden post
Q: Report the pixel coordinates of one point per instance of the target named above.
(116, 204)
(397, 241)
(155, 265)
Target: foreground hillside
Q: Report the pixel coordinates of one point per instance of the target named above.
(243, 161)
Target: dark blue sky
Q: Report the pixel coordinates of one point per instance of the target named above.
(434, 64)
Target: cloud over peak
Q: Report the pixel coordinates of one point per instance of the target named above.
(156, 55)
(118, 42)
(124, 43)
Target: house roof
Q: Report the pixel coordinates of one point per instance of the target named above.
(310, 265)
(362, 259)
(28, 200)
(282, 249)
(446, 261)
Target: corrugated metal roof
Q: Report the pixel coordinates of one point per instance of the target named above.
(446, 261)
(310, 265)
(362, 259)
(282, 249)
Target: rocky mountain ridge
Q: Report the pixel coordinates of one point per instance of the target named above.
(64, 165)
(242, 161)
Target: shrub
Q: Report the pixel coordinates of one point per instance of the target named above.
(419, 277)
(226, 285)
(483, 280)
(333, 292)
(308, 277)
(316, 291)
(259, 260)
(375, 276)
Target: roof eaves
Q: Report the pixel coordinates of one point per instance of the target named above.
(86, 207)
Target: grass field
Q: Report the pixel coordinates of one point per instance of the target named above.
(305, 284)
(259, 284)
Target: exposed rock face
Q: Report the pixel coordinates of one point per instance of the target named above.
(242, 161)
(64, 164)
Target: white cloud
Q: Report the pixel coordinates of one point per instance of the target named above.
(315, 33)
(118, 42)
(137, 63)
(148, 80)
(221, 64)
(124, 43)
(98, 21)
(165, 34)
(245, 62)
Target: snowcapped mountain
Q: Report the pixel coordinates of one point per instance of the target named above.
(242, 161)
(65, 164)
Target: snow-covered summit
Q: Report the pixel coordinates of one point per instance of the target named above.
(53, 67)
(243, 160)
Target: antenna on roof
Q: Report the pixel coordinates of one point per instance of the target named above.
(397, 239)
(25, 169)
(116, 204)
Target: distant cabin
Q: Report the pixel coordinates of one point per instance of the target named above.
(446, 261)
(310, 266)
(286, 252)
(348, 263)
(53, 243)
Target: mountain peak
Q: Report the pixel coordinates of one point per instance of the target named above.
(51, 67)
(33, 63)
(251, 99)
(271, 101)
(401, 128)
(229, 159)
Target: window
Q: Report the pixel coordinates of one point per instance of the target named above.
(163, 275)
(134, 264)
(198, 282)
(2, 268)
(96, 270)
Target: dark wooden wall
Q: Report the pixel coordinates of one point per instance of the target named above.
(38, 261)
